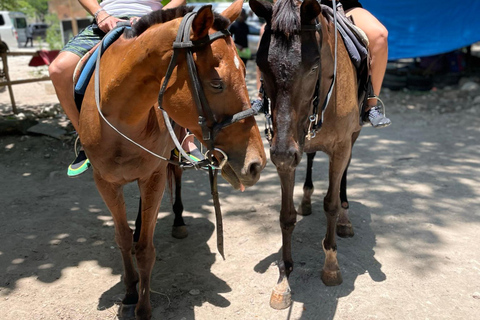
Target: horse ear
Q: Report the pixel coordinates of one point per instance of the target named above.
(202, 22)
(309, 10)
(263, 9)
(233, 11)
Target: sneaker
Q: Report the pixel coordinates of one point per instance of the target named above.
(377, 117)
(194, 154)
(79, 165)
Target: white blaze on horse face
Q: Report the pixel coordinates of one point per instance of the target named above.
(237, 62)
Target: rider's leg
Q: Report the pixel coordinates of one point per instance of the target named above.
(61, 73)
(378, 45)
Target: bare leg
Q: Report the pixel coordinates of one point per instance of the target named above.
(61, 72)
(331, 274)
(305, 208)
(281, 297)
(378, 45)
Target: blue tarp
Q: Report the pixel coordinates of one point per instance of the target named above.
(418, 28)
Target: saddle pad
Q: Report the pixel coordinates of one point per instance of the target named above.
(88, 62)
(354, 38)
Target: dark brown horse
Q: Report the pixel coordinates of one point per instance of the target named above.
(131, 74)
(296, 58)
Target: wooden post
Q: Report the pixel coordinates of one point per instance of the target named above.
(74, 20)
(9, 85)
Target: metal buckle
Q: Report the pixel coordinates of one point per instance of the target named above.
(312, 133)
(222, 163)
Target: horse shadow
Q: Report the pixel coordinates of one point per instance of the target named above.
(181, 278)
(356, 257)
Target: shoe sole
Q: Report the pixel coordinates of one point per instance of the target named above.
(380, 126)
(73, 173)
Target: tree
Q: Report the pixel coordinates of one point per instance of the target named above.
(34, 8)
(9, 5)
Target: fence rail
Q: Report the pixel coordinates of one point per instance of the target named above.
(9, 83)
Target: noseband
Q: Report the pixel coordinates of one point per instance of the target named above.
(206, 118)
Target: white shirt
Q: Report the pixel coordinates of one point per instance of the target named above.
(130, 7)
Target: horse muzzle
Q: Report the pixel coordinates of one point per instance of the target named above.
(285, 158)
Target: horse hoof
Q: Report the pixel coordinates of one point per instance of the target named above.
(345, 230)
(280, 300)
(143, 313)
(179, 232)
(127, 311)
(331, 278)
(305, 209)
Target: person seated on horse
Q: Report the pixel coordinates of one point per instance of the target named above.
(377, 36)
(106, 15)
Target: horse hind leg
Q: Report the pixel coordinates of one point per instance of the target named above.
(331, 275)
(344, 226)
(305, 207)
(179, 230)
(113, 197)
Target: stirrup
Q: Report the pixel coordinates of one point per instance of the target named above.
(381, 120)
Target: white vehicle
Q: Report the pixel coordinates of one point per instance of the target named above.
(13, 28)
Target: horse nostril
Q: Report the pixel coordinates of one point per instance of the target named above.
(255, 169)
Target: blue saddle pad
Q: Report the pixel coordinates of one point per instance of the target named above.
(89, 68)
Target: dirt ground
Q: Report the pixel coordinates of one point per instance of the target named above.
(415, 197)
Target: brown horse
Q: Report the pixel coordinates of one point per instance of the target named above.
(296, 58)
(131, 73)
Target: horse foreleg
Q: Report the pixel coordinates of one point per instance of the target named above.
(151, 191)
(112, 195)
(344, 226)
(331, 274)
(281, 297)
(179, 230)
(305, 207)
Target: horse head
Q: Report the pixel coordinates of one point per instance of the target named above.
(221, 75)
(289, 60)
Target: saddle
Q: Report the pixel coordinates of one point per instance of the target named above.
(85, 67)
(356, 43)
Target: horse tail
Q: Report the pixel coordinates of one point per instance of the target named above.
(286, 17)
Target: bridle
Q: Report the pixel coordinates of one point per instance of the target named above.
(206, 119)
(314, 121)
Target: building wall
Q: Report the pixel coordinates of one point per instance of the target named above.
(65, 9)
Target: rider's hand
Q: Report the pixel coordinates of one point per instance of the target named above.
(134, 20)
(106, 22)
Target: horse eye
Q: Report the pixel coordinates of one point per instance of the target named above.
(217, 84)
(314, 68)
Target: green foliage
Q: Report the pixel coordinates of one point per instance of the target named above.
(54, 36)
(36, 9)
(10, 5)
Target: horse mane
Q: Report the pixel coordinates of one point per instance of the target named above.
(162, 16)
(286, 17)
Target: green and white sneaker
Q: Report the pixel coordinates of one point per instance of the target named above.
(79, 165)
